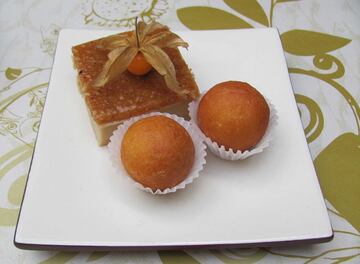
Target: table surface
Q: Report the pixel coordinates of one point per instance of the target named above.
(321, 39)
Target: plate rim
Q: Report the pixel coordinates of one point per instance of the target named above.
(166, 246)
(280, 243)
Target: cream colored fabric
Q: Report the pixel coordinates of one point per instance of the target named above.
(322, 43)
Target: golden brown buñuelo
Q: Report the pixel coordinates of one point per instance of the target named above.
(233, 114)
(157, 152)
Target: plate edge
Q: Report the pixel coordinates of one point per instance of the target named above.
(30, 246)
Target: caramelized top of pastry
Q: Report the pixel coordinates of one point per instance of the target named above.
(128, 95)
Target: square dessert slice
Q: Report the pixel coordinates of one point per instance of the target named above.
(128, 95)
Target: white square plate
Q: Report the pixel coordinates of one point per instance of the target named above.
(75, 200)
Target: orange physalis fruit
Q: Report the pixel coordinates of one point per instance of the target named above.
(137, 50)
(139, 65)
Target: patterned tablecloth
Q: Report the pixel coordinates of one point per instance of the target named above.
(321, 39)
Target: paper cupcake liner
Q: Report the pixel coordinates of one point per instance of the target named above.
(199, 160)
(230, 154)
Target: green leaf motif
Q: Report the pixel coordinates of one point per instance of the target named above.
(338, 169)
(11, 99)
(240, 256)
(97, 255)
(202, 18)
(337, 256)
(334, 255)
(285, 1)
(8, 216)
(16, 190)
(12, 73)
(249, 8)
(32, 101)
(176, 256)
(310, 43)
(316, 124)
(9, 161)
(60, 258)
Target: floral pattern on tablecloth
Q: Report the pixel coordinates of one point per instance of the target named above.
(321, 39)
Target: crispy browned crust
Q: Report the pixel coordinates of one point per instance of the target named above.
(165, 148)
(128, 95)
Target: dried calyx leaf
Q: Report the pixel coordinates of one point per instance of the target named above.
(149, 39)
(119, 60)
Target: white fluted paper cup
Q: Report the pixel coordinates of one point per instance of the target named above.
(230, 154)
(199, 160)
